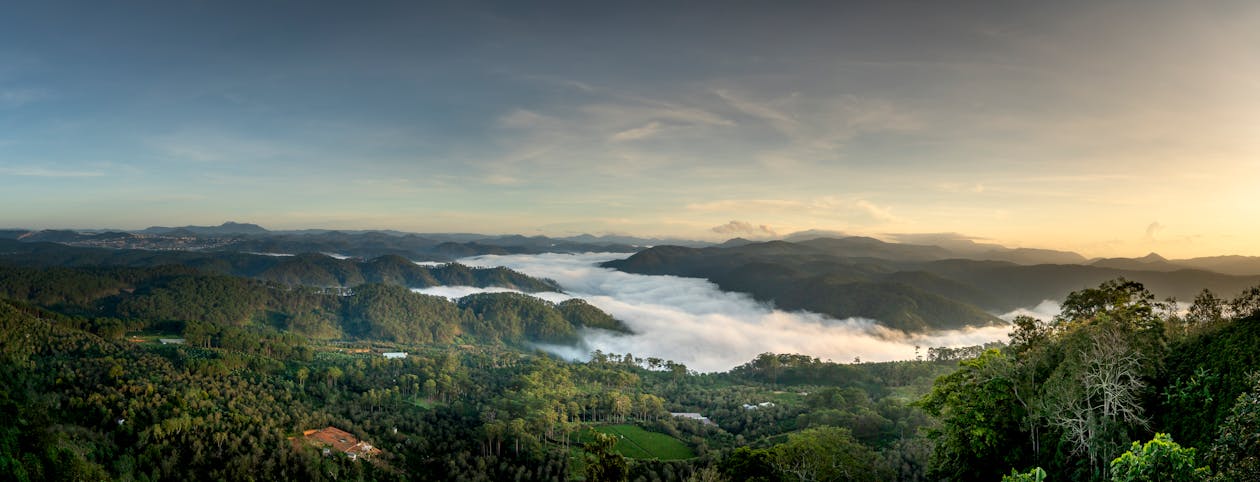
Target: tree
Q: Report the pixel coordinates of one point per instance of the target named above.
(707, 474)
(1158, 459)
(603, 463)
(749, 465)
(980, 416)
(1094, 396)
(1236, 451)
(1207, 309)
(1247, 303)
(678, 370)
(1118, 299)
(332, 374)
(826, 454)
(1027, 333)
(1034, 475)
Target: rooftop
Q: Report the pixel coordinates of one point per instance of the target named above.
(341, 441)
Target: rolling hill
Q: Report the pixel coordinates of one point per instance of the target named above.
(909, 287)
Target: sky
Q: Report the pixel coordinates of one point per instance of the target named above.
(1108, 128)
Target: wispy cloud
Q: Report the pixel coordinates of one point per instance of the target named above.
(957, 187)
(934, 238)
(642, 132)
(745, 228)
(766, 110)
(20, 97)
(525, 119)
(850, 209)
(501, 180)
(35, 171)
(202, 145)
(1153, 230)
(606, 134)
(879, 213)
(636, 110)
(743, 204)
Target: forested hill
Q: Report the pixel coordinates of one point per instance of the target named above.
(796, 277)
(207, 308)
(90, 396)
(312, 269)
(908, 287)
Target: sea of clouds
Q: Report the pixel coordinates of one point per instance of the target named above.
(691, 321)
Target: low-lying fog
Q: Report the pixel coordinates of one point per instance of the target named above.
(691, 321)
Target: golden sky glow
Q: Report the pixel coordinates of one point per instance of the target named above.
(1108, 128)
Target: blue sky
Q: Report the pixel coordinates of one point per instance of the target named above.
(1111, 128)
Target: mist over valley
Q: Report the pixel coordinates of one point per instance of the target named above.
(692, 321)
(701, 241)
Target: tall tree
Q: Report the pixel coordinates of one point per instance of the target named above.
(603, 463)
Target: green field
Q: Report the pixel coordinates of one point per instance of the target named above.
(423, 402)
(784, 398)
(636, 443)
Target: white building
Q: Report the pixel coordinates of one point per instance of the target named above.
(693, 416)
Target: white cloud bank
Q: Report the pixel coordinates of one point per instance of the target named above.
(1044, 311)
(691, 321)
(457, 292)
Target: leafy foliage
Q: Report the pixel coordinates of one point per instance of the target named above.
(1236, 451)
(826, 453)
(1158, 459)
(604, 463)
(1114, 366)
(1034, 475)
(980, 431)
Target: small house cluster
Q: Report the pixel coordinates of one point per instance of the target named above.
(392, 355)
(332, 439)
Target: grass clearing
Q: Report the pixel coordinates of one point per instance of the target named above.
(637, 443)
(423, 403)
(785, 397)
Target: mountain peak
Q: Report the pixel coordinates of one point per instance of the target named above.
(227, 228)
(234, 224)
(735, 242)
(1153, 257)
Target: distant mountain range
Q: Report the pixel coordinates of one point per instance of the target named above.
(245, 237)
(924, 282)
(1235, 265)
(226, 229)
(248, 237)
(309, 269)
